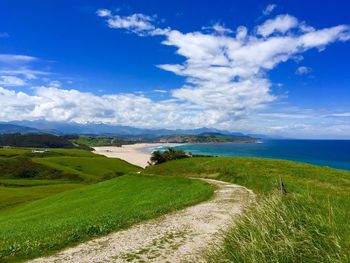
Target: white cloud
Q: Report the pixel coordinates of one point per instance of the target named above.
(218, 28)
(302, 70)
(341, 114)
(280, 24)
(11, 58)
(11, 81)
(104, 13)
(138, 23)
(55, 84)
(57, 104)
(160, 90)
(29, 74)
(226, 85)
(268, 9)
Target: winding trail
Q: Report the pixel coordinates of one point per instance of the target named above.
(176, 237)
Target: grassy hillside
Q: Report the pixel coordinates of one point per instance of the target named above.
(14, 192)
(27, 176)
(89, 169)
(35, 141)
(308, 224)
(205, 138)
(94, 141)
(55, 222)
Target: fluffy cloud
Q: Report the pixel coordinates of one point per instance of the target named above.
(280, 24)
(225, 72)
(137, 23)
(55, 104)
(11, 81)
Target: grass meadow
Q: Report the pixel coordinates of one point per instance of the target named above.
(52, 200)
(308, 223)
(57, 199)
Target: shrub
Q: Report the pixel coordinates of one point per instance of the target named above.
(168, 155)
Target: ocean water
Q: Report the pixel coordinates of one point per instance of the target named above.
(332, 153)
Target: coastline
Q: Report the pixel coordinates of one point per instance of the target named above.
(138, 154)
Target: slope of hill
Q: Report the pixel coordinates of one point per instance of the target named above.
(35, 141)
(27, 176)
(302, 214)
(6, 128)
(64, 219)
(205, 138)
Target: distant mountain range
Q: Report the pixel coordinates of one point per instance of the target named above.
(6, 128)
(62, 128)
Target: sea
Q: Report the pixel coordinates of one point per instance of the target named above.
(331, 153)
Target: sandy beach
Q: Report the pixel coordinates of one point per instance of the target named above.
(138, 154)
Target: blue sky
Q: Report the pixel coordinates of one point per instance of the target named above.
(274, 67)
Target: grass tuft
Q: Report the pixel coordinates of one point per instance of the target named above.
(282, 229)
(308, 224)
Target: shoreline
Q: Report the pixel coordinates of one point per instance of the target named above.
(138, 154)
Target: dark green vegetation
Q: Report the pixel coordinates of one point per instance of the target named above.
(61, 197)
(310, 223)
(35, 141)
(95, 141)
(205, 138)
(159, 157)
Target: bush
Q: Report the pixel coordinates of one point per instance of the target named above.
(168, 155)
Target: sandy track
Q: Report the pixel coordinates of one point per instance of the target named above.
(175, 237)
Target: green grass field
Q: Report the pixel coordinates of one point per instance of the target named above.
(27, 176)
(53, 200)
(55, 222)
(95, 141)
(14, 195)
(311, 223)
(89, 169)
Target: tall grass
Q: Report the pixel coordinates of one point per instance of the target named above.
(311, 223)
(282, 229)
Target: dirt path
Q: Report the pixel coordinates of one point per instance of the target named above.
(175, 237)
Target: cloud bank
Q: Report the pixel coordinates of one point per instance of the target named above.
(225, 71)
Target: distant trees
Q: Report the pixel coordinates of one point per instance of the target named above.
(38, 140)
(167, 155)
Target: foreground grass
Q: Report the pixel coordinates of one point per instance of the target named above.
(64, 219)
(14, 195)
(308, 224)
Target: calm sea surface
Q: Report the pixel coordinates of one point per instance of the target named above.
(332, 153)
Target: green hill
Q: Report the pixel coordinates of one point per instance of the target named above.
(94, 141)
(27, 176)
(35, 141)
(64, 219)
(205, 138)
(309, 222)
